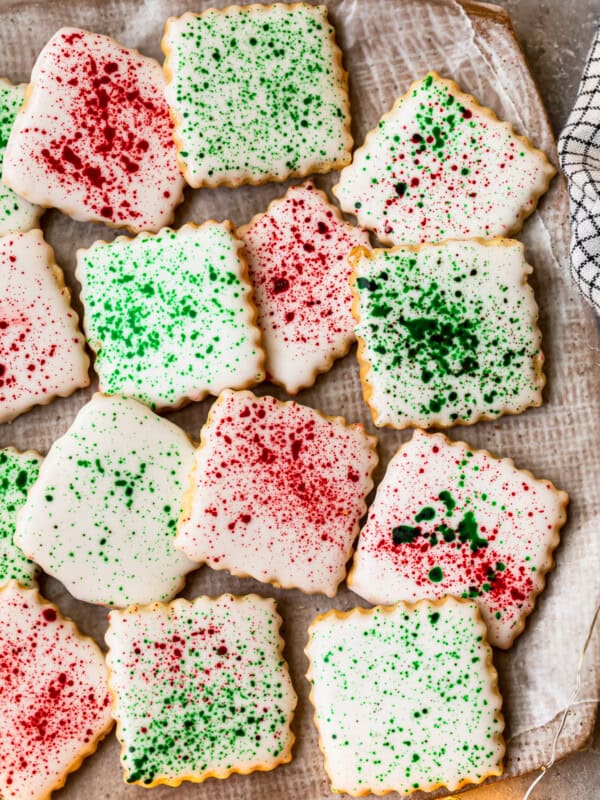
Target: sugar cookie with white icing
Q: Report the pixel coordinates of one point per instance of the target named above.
(54, 696)
(18, 471)
(277, 492)
(448, 519)
(258, 93)
(170, 316)
(405, 698)
(297, 256)
(42, 353)
(94, 137)
(101, 517)
(440, 166)
(447, 334)
(16, 213)
(200, 689)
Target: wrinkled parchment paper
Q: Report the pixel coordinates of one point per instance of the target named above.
(386, 44)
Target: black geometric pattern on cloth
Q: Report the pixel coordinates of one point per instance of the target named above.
(579, 155)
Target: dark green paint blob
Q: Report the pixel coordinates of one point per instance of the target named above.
(424, 514)
(435, 575)
(405, 534)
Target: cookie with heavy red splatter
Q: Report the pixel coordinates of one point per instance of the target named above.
(297, 256)
(447, 333)
(448, 519)
(94, 137)
(200, 689)
(54, 697)
(277, 492)
(440, 166)
(42, 353)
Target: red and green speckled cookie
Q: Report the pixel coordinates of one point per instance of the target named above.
(439, 166)
(406, 697)
(277, 492)
(54, 697)
(448, 519)
(94, 137)
(170, 315)
(447, 334)
(200, 689)
(297, 256)
(258, 93)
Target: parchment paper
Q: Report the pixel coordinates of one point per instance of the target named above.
(387, 44)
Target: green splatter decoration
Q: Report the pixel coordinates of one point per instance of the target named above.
(201, 689)
(18, 471)
(405, 697)
(258, 93)
(448, 334)
(169, 316)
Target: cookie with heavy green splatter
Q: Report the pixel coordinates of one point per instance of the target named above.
(440, 166)
(257, 93)
(200, 689)
(16, 213)
(18, 471)
(170, 315)
(405, 697)
(447, 333)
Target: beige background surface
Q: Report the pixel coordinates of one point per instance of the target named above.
(560, 441)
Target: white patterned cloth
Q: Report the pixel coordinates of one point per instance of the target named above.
(579, 154)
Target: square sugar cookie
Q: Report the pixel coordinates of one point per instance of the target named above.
(447, 334)
(405, 697)
(440, 166)
(16, 213)
(297, 256)
(94, 138)
(200, 689)
(258, 93)
(18, 472)
(448, 519)
(54, 696)
(170, 316)
(101, 517)
(277, 492)
(42, 352)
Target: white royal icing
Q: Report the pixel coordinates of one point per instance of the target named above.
(201, 689)
(297, 256)
(277, 492)
(447, 333)
(257, 92)
(169, 315)
(427, 172)
(474, 526)
(101, 517)
(405, 698)
(42, 352)
(54, 696)
(94, 138)
(16, 213)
